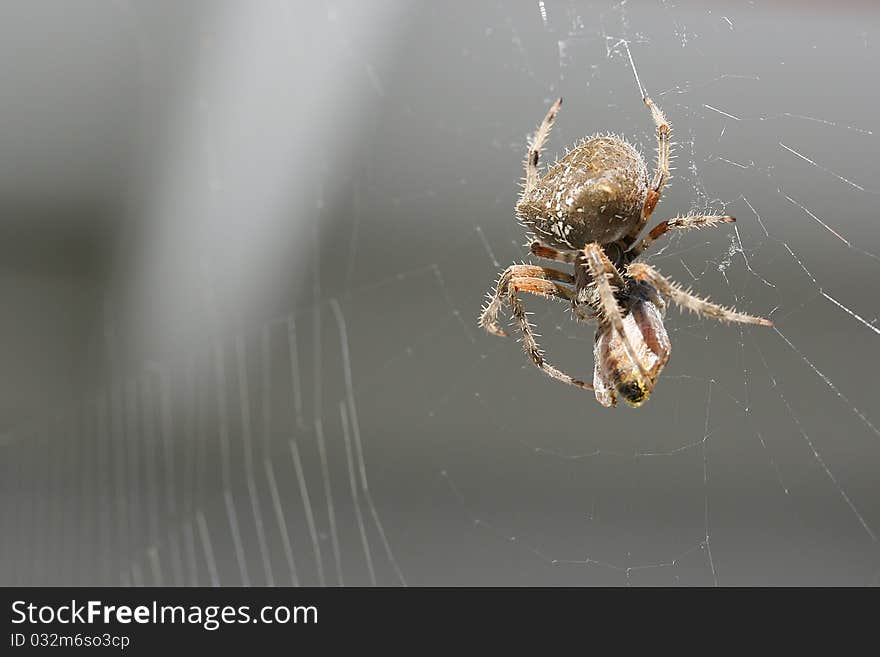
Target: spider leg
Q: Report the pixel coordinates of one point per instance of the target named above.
(530, 345)
(661, 174)
(604, 274)
(690, 221)
(549, 253)
(535, 147)
(489, 316)
(685, 299)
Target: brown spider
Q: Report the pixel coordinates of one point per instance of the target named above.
(588, 211)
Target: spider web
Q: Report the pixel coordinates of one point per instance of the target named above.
(365, 432)
(765, 419)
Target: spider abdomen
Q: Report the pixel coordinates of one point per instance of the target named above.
(594, 194)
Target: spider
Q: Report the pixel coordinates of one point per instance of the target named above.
(588, 211)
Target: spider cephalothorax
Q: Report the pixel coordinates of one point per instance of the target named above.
(589, 210)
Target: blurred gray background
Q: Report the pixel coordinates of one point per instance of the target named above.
(244, 246)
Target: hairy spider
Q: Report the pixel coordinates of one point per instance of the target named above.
(588, 210)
